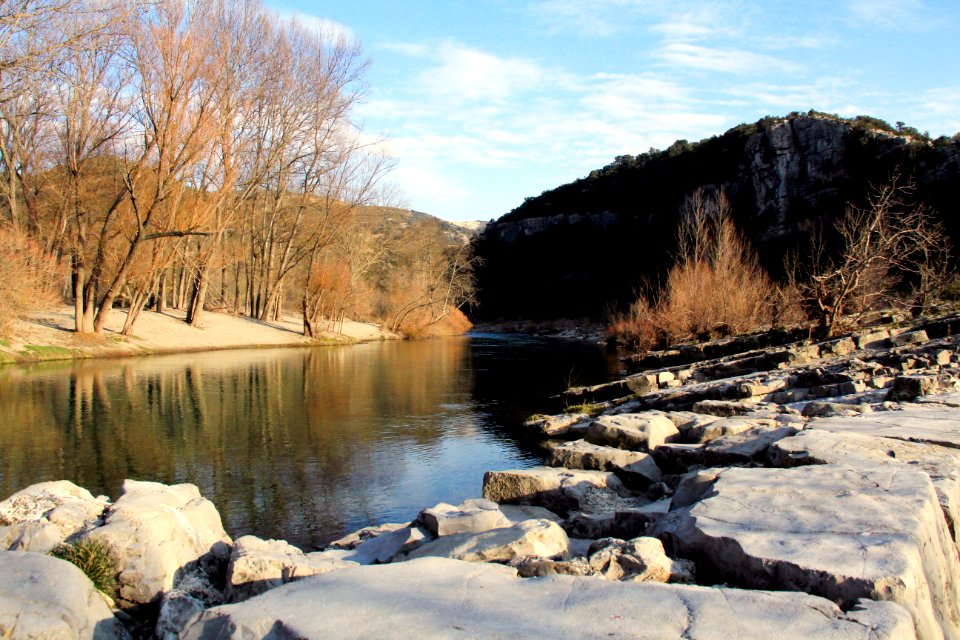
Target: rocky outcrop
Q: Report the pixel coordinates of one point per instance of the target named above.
(161, 536)
(43, 598)
(471, 516)
(559, 490)
(441, 598)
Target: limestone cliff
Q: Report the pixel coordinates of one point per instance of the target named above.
(582, 247)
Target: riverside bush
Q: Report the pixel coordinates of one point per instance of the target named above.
(28, 277)
(716, 288)
(95, 560)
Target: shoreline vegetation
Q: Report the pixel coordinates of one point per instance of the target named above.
(49, 336)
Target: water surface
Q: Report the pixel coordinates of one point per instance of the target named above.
(300, 444)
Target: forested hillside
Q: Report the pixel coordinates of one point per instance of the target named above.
(588, 247)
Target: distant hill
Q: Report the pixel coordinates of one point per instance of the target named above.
(583, 248)
(458, 232)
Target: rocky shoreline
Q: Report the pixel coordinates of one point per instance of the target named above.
(745, 490)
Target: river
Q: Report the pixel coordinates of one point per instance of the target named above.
(300, 444)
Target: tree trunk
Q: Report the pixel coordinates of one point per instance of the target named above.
(198, 295)
(161, 292)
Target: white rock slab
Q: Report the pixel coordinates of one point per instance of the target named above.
(156, 532)
(559, 490)
(936, 426)
(529, 539)
(440, 599)
(470, 516)
(859, 451)
(258, 565)
(634, 431)
(42, 597)
(634, 467)
(828, 530)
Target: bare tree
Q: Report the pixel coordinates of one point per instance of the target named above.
(882, 244)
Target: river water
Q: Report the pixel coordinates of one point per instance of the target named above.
(300, 444)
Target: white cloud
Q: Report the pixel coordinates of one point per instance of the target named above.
(722, 60)
(466, 73)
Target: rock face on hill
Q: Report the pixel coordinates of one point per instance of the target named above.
(580, 247)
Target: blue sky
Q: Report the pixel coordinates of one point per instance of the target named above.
(485, 102)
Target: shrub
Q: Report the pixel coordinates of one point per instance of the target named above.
(28, 277)
(95, 559)
(716, 288)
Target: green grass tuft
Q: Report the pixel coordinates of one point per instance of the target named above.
(592, 409)
(95, 560)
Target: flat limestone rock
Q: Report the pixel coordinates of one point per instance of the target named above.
(384, 548)
(42, 597)
(441, 598)
(559, 490)
(470, 516)
(828, 530)
(529, 539)
(160, 534)
(635, 468)
(258, 565)
(855, 450)
(936, 426)
(633, 431)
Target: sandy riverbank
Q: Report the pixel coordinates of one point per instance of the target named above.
(49, 335)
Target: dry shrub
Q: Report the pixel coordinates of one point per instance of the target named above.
(716, 288)
(29, 277)
(420, 325)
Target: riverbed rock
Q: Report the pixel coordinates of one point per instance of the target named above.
(471, 516)
(633, 431)
(162, 535)
(932, 425)
(42, 597)
(640, 559)
(442, 598)
(816, 446)
(258, 565)
(747, 447)
(557, 425)
(910, 387)
(353, 540)
(635, 468)
(559, 490)
(529, 539)
(828, 530)
(177, 608)
(517, 513)
(389, 546)
(45, 514)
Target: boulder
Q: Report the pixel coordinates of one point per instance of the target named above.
(559, 490)
(747, 447)
(441, 598)
(70, 510)
(389, 546)
(634, 431)
(822, 409)
(517, 513)
(529, 539)
(828, 530)
(910, 387)
(909, 338)
(471, 516)
(177, 608)
(557, 425)
(634, 468)
(258, 565)
(723, 408)
(358, 537)
(540, 567)
(42, 597)
(640, 560)
(162, 535)
(716, 428)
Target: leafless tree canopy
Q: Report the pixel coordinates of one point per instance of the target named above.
(193, 153)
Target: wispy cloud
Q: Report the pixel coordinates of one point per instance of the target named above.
(723, 60)
(891, 14)
(467, 73)
(325, 27)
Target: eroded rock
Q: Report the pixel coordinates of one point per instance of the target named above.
(45, 514)
(162, 535)
(633, 431)
(471, 516)
(559, 490)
